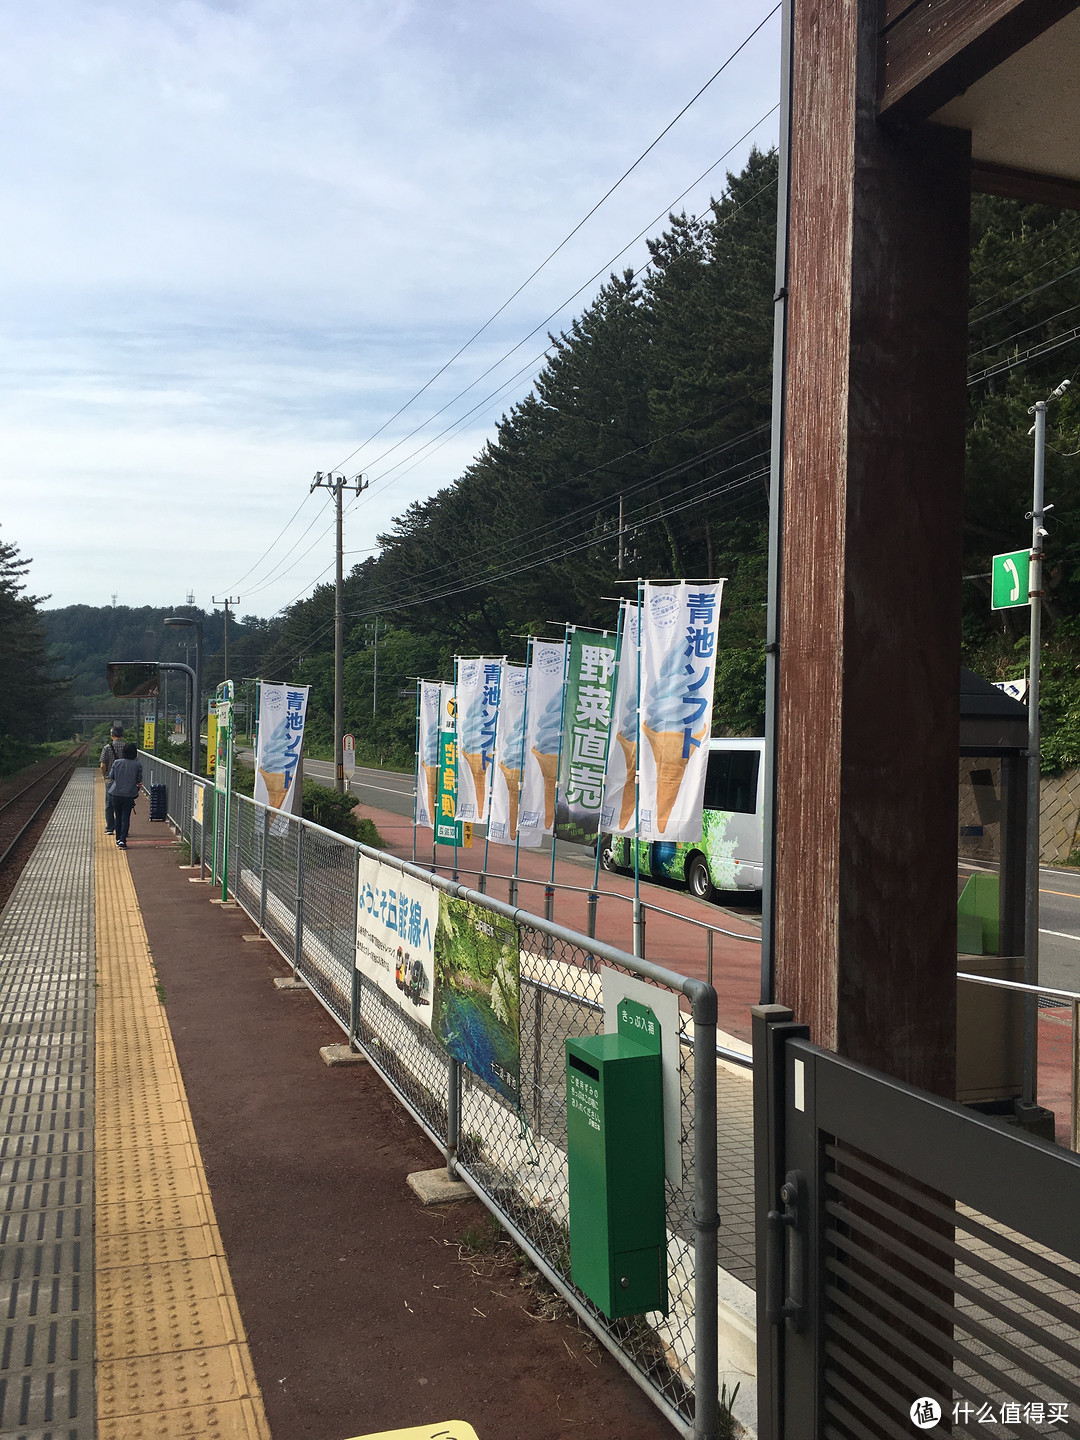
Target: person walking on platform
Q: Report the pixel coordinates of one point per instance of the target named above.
(123, 785)
(111, 753)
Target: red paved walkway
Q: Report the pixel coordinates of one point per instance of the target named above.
(668, 940)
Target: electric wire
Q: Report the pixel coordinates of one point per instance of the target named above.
(568, 237)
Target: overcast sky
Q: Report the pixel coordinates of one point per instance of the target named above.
(239, 236)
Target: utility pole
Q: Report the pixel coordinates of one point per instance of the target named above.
(229, 600)
(1037, 517)
(375, 671)
(336, 484)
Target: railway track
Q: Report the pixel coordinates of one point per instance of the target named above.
(20, 812)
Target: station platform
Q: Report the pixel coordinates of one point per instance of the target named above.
(207, 1232)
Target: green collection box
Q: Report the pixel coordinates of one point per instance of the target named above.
(615, 1156)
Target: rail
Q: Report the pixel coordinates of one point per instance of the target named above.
(70, 760)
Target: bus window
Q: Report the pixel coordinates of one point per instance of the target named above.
(731, 781)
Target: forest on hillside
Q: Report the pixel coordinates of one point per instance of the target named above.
(655, 403)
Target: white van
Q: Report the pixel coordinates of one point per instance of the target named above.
(730, 853)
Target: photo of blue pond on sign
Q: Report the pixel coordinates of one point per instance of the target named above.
(476, 1014)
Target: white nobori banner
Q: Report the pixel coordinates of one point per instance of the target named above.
(509, 755)
(678, 671)
(543, 729)
(427, 752)
(477, 696)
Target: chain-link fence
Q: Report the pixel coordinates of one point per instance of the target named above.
(298, 883)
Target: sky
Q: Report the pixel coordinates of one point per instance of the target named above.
(239, 237)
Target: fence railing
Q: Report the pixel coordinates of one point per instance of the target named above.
(298, 883)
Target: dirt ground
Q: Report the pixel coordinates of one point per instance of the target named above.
(365, 1311)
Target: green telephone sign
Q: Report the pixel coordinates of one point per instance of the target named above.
(1009, 580)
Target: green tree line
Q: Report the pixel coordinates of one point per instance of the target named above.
(653, 407)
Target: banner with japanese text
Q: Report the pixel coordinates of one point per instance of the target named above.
(586, 727)
(678, 654)
(282, 712)
(509, 754)
(396, 920)
(447, 829)
(211, 736)
(427, 752)
(477, 1012)
(224, 740)
(543, 728)
(617, 816)
(477, 695)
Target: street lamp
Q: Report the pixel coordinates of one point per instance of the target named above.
(181, 622)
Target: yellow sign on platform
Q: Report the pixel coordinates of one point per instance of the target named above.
(211, 738)
(197, 804)
(148, 735)
(448, 1430)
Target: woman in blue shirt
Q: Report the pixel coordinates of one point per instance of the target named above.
(125, 777)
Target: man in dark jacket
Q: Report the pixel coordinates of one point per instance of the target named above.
(125, 777)
(111, 753)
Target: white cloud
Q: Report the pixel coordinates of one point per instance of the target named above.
(240, 235)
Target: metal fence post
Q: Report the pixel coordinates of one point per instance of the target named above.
(453, 1116)
(511, 892)
(708, 956)
(191, 823)
(298, 940)
(706, 1218)
(549, 914)
(262, 868)
(590, 909)
(1074, 1088)
(354, 988)
(639, 929)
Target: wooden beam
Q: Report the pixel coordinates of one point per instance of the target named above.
(1024, 185)
(868, 707)
(933, 50)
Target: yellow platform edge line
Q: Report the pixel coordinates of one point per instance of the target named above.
(147, 1164)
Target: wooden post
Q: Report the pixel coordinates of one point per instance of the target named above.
(868, 708)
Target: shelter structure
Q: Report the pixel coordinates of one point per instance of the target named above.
(893, 111)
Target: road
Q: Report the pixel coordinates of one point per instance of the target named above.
(1059, 890)
(1059, 928)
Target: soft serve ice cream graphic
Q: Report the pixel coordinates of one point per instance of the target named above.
(472, 736)
(511, 755)
(665, 732)
(626, 733)
(430, 757)
(274, 761)
(546, 750)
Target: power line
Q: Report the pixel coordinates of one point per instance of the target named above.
(568, 237)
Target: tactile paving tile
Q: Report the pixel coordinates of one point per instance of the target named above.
(172, 1355)
(47, 1132)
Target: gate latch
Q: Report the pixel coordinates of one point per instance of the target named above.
(785, 1256)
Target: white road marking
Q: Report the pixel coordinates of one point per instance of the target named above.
(1059, 934)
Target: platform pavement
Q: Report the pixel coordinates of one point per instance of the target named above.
(139, 1267)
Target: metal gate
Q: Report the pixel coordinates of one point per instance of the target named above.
(920, 1262)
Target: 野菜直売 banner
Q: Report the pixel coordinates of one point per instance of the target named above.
(678, 668)
(586, 726)
(543, 729)
(282, 711)
(427, 752)
(477, 695)
(396, 919)
(509, 754)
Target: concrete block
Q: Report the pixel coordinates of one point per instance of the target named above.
(434, 1187)
(266, 938)
(198, 879)
(289, 985)
(225, 904)
(334, 1055)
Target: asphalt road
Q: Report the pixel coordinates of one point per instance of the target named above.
(1059, 890)
(1059, 928)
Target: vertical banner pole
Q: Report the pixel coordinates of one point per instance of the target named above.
(639, 928)
(416, 773)
(457, 768)
(558, 762)
(607, 747)
(521, 769)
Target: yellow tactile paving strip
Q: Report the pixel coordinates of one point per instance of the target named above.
(172, 1357)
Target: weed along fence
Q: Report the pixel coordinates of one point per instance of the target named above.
(474, 1043)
